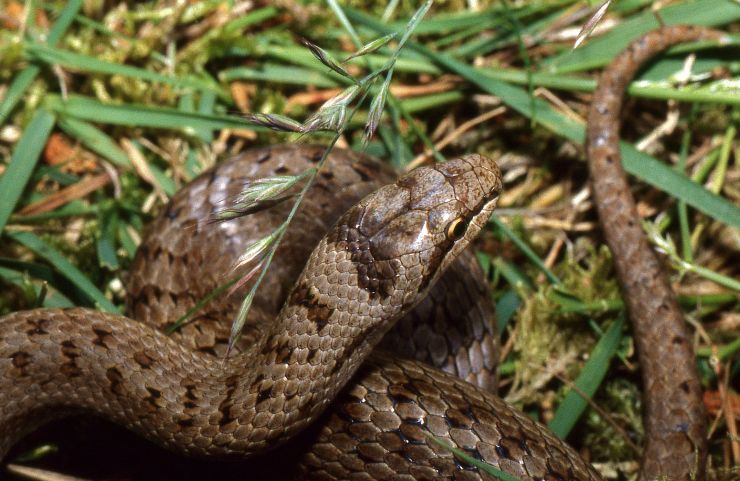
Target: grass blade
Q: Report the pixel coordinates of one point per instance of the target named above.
(16, 90)
(84, 63)
(95, 140)
(588, 380)
(598, 51)
(483, 466)
(69, 12)
(69, 271)
(635, 162)
(506, 306)
(105, 245)
(278, 74)
(526, 250)
(25, 155)
(20, 278)
(85, 108)
(24, 79)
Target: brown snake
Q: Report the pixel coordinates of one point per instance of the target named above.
(370, 268)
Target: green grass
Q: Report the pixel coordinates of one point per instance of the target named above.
(127, 89)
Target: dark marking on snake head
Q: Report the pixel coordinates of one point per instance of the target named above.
(376, 277)
(227, 403)
(70, 369)
(38, 327)
(685, 387)
(319, 314)
(313, 355)
(399, 394)
(102, 337)
(284, 352)
(154, 394)
(263, 394)
(503, 451)
(190, 392)
(257, 383)
(185, 423)
(554, 475)
(211, 350)
(456, 419)
(70, 350)
(410, 387)
(524, 446)
(20, 360)
(115, 379)
(143, 359)
(282, 170)
(433, 263)
(316, 312)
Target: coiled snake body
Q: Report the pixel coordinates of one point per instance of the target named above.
(368, 270)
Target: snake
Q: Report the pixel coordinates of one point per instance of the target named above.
(316, 371)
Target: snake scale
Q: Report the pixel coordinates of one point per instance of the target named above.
(313, 368)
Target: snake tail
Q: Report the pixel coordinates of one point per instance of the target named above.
(674, 412)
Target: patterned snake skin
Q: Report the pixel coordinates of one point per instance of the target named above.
(368, 270)
(377, 261)
(675, 420)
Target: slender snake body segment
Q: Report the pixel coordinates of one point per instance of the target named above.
(371, 267)
(674, 411)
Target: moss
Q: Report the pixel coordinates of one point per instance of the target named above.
(620, 398)
(549, 341)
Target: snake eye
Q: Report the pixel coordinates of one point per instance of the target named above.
(456, 228)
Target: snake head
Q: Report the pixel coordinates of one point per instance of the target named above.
(403, 236)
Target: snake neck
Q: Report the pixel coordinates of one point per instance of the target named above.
(339, 310)
(375, 264)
